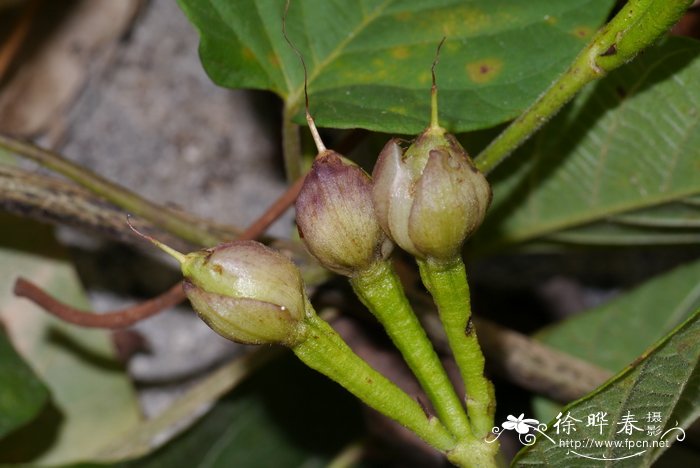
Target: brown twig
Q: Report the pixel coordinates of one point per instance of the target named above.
(116, 319)
(9, 50)
(126, 317)
(275, 210)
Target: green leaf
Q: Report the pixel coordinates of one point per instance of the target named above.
(369, 61)
(670, 223)
(615, 333)
(614, 233)
(22, 394)
(672, 215)
(628, 143)
(92, 398)
(664, 380)
(285, 415)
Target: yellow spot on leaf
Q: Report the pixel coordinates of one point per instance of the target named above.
(397, 110)
(485, 70)
(425, 77)
(400, 52)
(377, 62)
(248, 54)
(458, 21)
(550, 19)
(403, 16)
(582, 32)
(274, 60)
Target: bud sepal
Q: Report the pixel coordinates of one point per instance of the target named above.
(431, 198)
(244, 320)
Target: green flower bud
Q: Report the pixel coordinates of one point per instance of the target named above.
(246, 292)
(336, 218)
(431, 198)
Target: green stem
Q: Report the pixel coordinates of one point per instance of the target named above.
(291, 146)
(326, 352)
(380, 290)
(187, 227)
(475, 454)
(636, 26)
(447, 282)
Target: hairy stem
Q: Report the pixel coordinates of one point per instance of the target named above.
(380, 290)
(635, 27)
(183, 225)
(325, 351)
(291, 146)
(53, 200)
(447, 283)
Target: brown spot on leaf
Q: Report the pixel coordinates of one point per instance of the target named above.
(274, 60)
(403, 16)
(582, 32)
(248, 54)
(485, 70)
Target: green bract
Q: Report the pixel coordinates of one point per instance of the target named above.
(430, 198)
(335, 216)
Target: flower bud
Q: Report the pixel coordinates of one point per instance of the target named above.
(431, 198)
(246, 292)
(336, 218)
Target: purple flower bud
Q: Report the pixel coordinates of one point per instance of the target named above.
(336, 218)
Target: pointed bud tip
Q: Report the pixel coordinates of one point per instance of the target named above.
(180, 257)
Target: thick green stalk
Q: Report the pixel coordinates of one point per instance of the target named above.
(187, 227)
(447, 282)
(380, 290)
(326, 352)
(636, 26)
(475, 454)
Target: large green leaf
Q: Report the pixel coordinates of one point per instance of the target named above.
(22, 394)
(628, 143)
(611, 233)
(369, 60)
(663, 382)
(286, 415)
(671, 223)
(615, 333)
(92, 399)
(673, 215)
